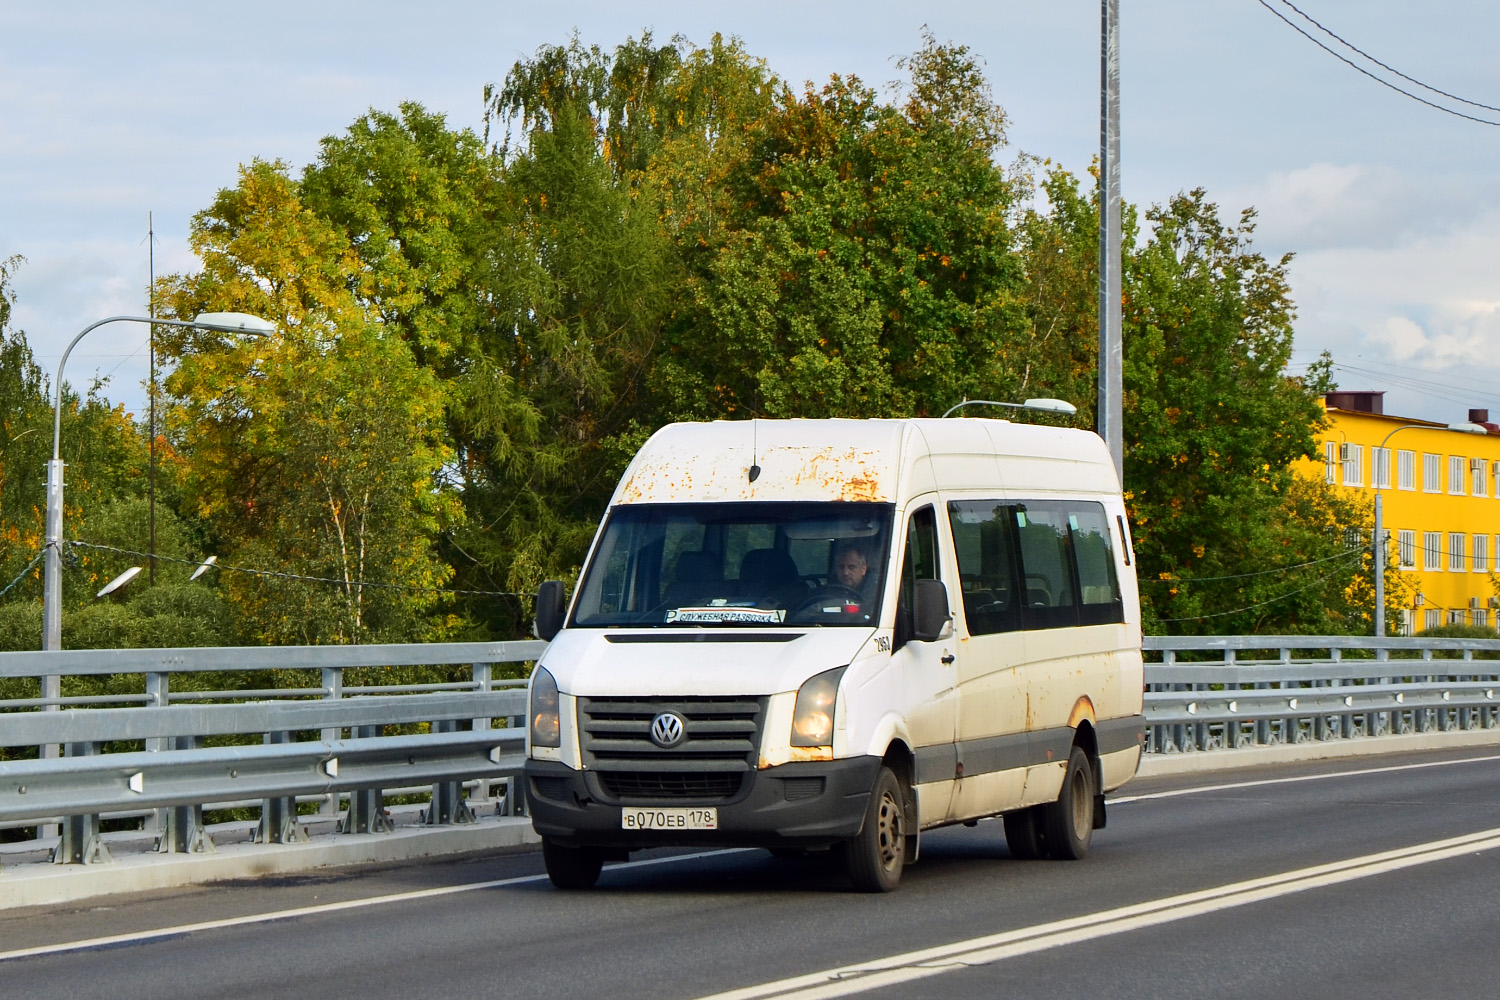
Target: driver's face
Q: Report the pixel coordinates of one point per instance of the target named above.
(850, 568)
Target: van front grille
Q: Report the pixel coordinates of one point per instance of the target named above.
(721, 734)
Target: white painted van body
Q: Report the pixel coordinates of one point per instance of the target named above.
(980, 719)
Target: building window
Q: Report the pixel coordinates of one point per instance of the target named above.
(1456, 475)
(1406, 470)
(1354, 465)
(1456, 616)
(1380, 468)
(1432, 551)
(1456, 551)
(1481, 618)
(1406, 549)
(1432, 473)
(1480, 561)
(1478, 468)
(1330, 461)
(1408, 617)
(1432, 619)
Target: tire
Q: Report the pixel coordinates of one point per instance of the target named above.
(1068, 823)
(875, 858)
(571, 867)
(1024, 834)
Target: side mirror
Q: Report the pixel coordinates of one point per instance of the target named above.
(550, 609)
(930, 616)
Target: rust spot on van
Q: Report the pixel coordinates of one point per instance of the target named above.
(811, 753)
(849, 474)
(1083, 710)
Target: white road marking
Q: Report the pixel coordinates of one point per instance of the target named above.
(897, 969)
(138, 937)
(1174, 793)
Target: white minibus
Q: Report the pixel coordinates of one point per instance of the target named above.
(831, 635)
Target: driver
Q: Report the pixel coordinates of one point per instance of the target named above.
(852, 569)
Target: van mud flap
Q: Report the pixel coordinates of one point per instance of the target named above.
(913, 827)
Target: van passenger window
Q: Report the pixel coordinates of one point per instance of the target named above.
(1098, 584)
(985, 548)
(1046, 565)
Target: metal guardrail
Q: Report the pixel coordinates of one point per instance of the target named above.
(304, 753)
(326, 743)
(1228, 692)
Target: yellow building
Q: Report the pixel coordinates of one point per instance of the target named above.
(1440, 490)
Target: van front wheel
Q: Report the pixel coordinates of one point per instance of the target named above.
(571, 867)
(1068, 823)
(876, 857)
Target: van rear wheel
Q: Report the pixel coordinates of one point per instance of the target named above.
(571, 867)
(1068, 823)
(876, 858)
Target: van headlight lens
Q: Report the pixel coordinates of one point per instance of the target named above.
(812, 720)
(546, 723)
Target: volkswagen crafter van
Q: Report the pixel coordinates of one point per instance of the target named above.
(831, 635)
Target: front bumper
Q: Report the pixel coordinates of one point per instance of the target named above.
(804, 804)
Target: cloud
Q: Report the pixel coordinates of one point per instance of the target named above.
(1325, 205)
(1419, 317)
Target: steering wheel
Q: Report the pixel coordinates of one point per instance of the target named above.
(822, 595)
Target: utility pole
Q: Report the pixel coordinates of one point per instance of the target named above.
(1111, 391)
(151, 400)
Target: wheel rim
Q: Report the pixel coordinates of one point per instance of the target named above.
(889, 829)
(1083, 806)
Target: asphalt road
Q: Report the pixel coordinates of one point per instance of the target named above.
(1373, 877)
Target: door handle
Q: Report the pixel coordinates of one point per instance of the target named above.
(947, 658)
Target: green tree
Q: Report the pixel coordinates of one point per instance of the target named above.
(1212, 423)
(869, 267)
(317, 452)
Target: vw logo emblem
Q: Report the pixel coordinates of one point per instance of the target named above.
(668, 730)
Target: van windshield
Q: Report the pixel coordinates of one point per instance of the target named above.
(738, 564)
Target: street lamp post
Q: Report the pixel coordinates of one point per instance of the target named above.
(1379, 538)
(242, 323)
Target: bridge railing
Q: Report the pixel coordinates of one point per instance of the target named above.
(151, 747)
(187, 749)
(1229, 692)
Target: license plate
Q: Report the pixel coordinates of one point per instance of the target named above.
(672, 818)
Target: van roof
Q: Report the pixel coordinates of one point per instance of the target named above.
(885, 461)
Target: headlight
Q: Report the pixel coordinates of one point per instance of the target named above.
(546, 725)
(812, 720)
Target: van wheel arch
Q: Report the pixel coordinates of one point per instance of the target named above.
(1088, 741)
(903, 764)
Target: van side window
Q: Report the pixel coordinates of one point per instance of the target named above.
(1046, 565)
(1098, 584)
(987, 575)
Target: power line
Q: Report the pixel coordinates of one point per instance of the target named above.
(1384, 83)
(1425, 386)
(22, 575)
(1251, 607)
(1265, 572)
(1411, 79)
(276, 574)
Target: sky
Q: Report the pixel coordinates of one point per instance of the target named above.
(110, 111)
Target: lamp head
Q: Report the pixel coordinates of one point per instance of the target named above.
(234, 322)
(1050, 406)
